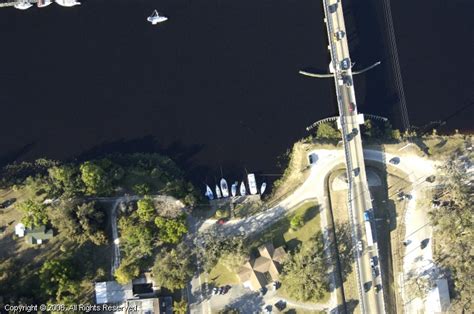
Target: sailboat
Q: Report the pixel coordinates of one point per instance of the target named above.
(156, 18)
(224, 188)
(23, 5)
(218, 192)
(243, 191)
(209, 193)
(44, 3)
(67, 3)
(233, 188)
(263, 187)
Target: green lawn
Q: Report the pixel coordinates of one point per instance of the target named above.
(280, 232)
(221, 275)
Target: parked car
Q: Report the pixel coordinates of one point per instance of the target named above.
(280, 305)
(378, 288)
(351, 107)
(394, 161)
(367, 286)
(7, 203)
(359, 246)
(276, 285)
(312, 158)
(431, 179)
(215, 291)
(263, 291)
(221, 221)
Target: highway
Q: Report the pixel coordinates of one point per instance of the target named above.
(370, 287)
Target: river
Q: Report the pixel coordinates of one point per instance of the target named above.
(217, 86)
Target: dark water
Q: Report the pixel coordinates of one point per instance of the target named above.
(216, 85)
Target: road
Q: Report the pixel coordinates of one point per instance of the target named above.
(359, 199)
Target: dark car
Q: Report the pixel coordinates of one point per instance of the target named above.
(7, 203)
(431, 179)
(280, 305)
(367, 286)
(351, 107)
(378, 288)
(394, 161)
(345, 64)
(263, 291)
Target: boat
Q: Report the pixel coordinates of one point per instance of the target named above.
(224, 188)
(263, 187)
(44, 3)
(233, 188)
(242, 189)
(23, 5)
(209, 193)
(156, 18)
(218, 192)
(67, 3)
(252, 183)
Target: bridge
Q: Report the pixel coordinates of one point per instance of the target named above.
(371, 290)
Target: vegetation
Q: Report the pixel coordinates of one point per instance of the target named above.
(57, 278)
(296, 222)
(146, 210)
(35, 214)
(454, 225)
(171, 230)
(327, 131)
(180, 307)
(172, 268)
(216, 246)
(304, 275)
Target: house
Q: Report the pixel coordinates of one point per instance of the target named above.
(37, 235)
(20, 230)
(257, 272)
(112, 292)
(438, 300)
(161, 305)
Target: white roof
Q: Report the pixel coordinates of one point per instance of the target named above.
(20, 230)
(438, 300)
(112, 292)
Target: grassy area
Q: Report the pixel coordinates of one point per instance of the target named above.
(281, 234)
(221, 275)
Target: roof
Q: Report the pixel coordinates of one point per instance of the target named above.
(38, 234)
(112, 292)
(438, 300)
(262, 264)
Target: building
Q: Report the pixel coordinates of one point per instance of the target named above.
(35, 235)
(161, 305)
(258, 272)
(111, 292)
(438, 300)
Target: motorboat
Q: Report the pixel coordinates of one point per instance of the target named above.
(233, 188)
(156, 18)
(209, 193)
(67, 3)
(224, 188)
(263, 187)
(23, 5)
(252, 183)
(218, 192)
(243, 191)
(44, 3)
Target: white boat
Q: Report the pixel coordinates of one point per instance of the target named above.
(67, 3)
(243, 191)
(252, 183)
(218, 192)
(263, 187)
(44, 3)
(209, 193)
(233, 188)
(23, 5)
(156, 18)
(224, 188)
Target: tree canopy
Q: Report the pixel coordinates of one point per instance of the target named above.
(327, 131)
(95, 178)
(57, 280)
(304, 274)
(171, 230)
(173, 268)
(146, 209)
(35, 213)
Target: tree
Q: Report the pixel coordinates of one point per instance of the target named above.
(57, 280)
(35, 214)
(304, 274)
(172, 269)
(233, 260)
(65, 180)
(127, 271)
(396, 134)
(90, 220)
(296, 222)
(95, 179)
(146, 209)
(171, 230)
(327, 131)
(136, 240)
(180, 307)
